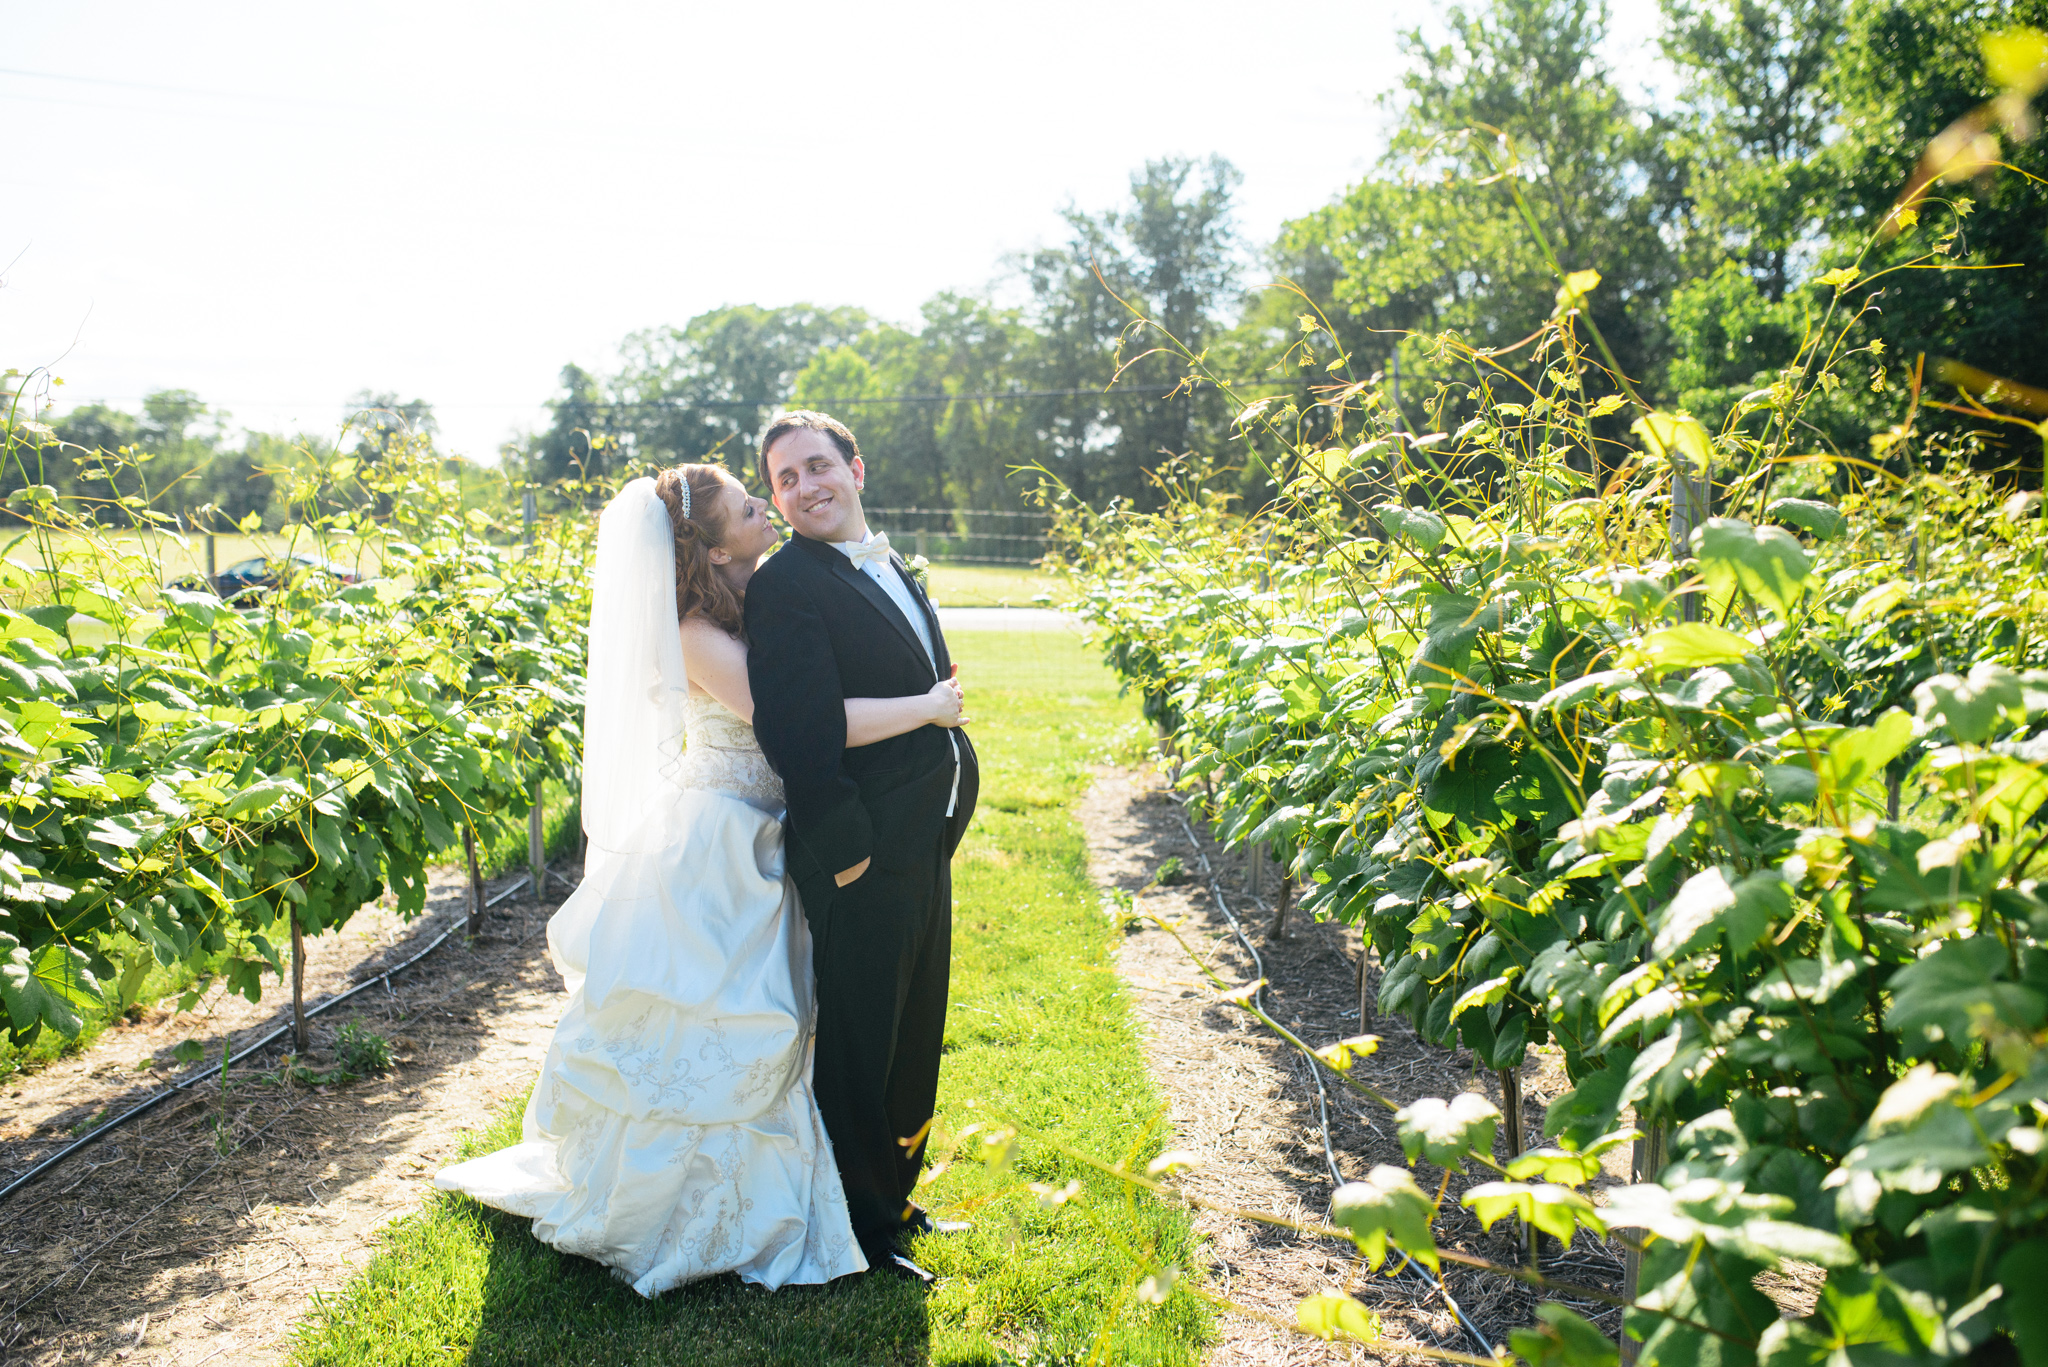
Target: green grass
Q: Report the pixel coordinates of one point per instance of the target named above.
(1039, 1031)
(174, 557)
(990, 586)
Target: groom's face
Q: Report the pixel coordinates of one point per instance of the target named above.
(815, 487)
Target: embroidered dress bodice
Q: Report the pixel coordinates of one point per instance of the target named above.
(722, 755)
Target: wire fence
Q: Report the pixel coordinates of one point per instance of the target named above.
(973, 536)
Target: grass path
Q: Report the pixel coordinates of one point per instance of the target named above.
(1038, 1030)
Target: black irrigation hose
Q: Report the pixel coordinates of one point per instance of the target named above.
(15, 1310)
(216, 1069)
(1322, 1094)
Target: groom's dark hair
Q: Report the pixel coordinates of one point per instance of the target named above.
(798, 420)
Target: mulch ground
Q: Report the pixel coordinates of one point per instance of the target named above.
(153, 1246)
(1247, 1105)
(200, 1233)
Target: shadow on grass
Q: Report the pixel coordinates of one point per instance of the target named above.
(542, 1307)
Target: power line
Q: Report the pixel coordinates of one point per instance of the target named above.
(684, 405)
(851, 401)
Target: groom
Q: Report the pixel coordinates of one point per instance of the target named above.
(872, 830)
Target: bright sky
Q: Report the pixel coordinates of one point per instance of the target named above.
(277, 205)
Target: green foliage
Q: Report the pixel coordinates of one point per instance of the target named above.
(1386, 1205)
(180, 777)
(1988, 314)
(1743, 819)
(360, 1050)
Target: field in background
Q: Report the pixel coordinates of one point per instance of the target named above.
(953, 586)
(990, 586)
(178, 556)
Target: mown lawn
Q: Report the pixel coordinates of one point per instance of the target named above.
(1038, 1031)
(990, 586)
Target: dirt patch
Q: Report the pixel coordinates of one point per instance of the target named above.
(1247, 1104)
(200, 1232)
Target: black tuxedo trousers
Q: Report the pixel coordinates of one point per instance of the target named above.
(883, 956)
(821, 632)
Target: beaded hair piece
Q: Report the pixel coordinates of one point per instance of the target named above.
(686, 497)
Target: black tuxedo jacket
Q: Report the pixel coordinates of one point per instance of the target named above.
(819, 632)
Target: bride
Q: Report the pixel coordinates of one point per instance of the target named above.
(672, 1134)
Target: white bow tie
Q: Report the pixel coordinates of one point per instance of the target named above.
(862, 553)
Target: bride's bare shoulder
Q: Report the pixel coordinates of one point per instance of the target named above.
(706, 639)
(716, 663)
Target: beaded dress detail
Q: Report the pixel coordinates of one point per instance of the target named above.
(724, 757)
(673, 1133)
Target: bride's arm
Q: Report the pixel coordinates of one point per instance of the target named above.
(871, 719)
(717, 663)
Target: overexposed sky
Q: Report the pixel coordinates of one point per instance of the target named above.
(278, 205)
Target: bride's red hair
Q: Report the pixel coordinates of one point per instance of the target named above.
(701, 591)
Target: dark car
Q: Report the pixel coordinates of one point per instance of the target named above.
(245, 579)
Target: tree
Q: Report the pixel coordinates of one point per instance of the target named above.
(1756, 114)
(1433, 241)
(1754, 118)
(1729, 338)
(710, 386)
(381, 421)
(167, 419)
(1172, 253)
(1906, 70)
(927, 405)
(574, 444)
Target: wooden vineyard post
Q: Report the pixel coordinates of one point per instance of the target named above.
(1644, 1165)
(1168, 745)
(1364, 963)
(1278, 930)
(536, 844)
(301, 1039)
(476, 882)
(1692, 501)
(1512, 1121)
(1255, 871)
(213, 583)
(1891, 781)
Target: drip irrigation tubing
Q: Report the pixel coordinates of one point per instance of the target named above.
(15, 1310)
(1407, 1263)
(211, 1070)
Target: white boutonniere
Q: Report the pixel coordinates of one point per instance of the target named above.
(920, 572)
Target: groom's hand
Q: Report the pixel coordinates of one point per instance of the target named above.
(842, 879)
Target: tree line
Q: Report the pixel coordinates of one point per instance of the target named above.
(1714, 218)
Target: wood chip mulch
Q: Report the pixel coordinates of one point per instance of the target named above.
(154, 1246)
(1246, 1103)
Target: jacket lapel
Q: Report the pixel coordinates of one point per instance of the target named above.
(931, 616)
(837, 563)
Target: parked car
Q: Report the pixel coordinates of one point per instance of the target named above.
(244, 580)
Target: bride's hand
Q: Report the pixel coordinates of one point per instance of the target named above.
(948, 703)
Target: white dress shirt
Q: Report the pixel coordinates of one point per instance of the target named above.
(892, 583)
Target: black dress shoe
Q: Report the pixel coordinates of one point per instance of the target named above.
(896, 1265)
(921, 1223)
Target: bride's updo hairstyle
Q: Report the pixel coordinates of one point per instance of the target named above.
(701, 591)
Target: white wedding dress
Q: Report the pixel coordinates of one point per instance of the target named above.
(673, 1134)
